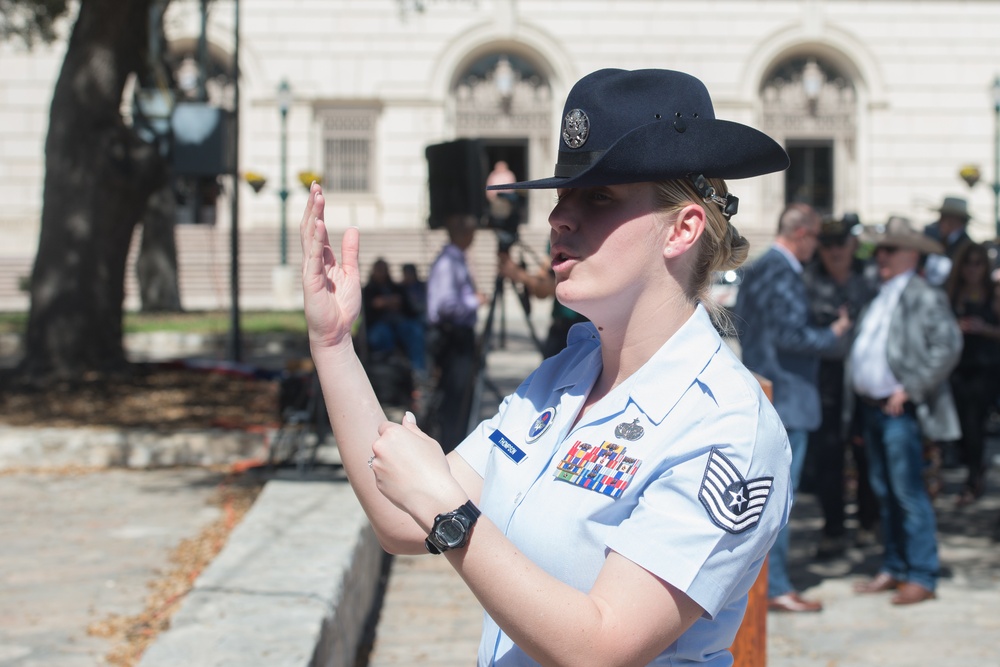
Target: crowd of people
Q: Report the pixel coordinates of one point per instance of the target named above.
(883, 347)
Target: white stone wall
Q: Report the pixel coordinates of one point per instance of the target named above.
(26, 82)
(922, 70)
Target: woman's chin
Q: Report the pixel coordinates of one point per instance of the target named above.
(571, 298)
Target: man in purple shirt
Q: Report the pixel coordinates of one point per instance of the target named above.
(452, 305)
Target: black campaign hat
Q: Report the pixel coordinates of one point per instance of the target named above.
(622, 126)
(837, 230)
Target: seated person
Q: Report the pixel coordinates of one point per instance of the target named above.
(390, 320)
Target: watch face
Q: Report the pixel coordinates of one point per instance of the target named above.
(451, 532)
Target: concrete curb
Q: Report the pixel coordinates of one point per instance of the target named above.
(171, 345)
(294, 586)
(128, 448)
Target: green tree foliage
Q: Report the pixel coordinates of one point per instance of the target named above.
(31, 20)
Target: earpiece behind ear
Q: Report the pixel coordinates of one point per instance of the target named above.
(732, 205)
(729, 204)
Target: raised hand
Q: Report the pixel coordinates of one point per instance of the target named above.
(331, 290)
(843, 322)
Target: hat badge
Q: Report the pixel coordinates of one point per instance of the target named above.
(576, 128)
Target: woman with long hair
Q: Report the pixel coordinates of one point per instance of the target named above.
(974, 382)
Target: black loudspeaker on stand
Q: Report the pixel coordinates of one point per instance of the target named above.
(456, 175)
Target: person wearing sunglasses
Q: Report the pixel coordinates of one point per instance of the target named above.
(907, 345)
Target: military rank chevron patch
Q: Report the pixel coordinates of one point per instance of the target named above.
(733, 503)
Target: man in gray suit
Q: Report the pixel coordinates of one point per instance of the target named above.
(906, 347)
(779, 342)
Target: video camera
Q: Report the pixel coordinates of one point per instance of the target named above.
(506, 212)
(457, 172)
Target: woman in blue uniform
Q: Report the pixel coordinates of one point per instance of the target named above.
(618, 507)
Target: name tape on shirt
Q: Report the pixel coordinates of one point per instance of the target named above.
(505, 445)
(733, 503)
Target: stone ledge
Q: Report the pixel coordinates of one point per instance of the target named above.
(294, 586)
(128, 448)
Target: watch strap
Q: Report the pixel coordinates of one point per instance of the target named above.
(431, 548)
(470, 511)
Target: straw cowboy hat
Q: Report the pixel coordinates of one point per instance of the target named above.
(955, 206)
(898, 232)
(622, 126)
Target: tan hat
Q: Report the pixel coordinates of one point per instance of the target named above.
(955, 206)
(898, 232)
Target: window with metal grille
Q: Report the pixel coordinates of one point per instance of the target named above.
(348, 139)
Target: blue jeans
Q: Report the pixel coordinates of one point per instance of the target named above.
(895, 468)
(407, 333)
(778, 582)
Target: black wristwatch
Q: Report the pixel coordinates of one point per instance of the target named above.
(451, 530)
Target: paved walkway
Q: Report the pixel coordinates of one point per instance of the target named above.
(76, 548)
(960, 628)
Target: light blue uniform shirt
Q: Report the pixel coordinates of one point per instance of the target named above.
(682, 469)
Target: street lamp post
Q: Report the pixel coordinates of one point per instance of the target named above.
(284, 102)
(996, 156)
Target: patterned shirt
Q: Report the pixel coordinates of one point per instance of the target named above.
(826, 296)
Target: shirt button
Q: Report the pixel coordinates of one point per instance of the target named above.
(518, 497)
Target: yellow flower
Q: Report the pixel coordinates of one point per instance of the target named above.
(970, 174)
(306, 178)
(255, 180)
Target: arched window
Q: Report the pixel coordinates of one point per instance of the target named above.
(812, 107)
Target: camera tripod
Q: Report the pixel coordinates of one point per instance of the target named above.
(482, 381)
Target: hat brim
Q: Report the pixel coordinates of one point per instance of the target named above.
(916, 241)
(712, 148)
(965, 215)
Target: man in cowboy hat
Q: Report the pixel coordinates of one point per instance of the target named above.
(950, 231)
(906, 346)
(837, 278)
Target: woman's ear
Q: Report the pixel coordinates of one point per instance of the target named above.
(685, 231)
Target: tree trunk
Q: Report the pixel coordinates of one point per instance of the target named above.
(98, 178)
(156, 266)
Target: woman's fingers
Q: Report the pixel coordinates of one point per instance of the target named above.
(315, 239)
(405, 433)
(307, 226)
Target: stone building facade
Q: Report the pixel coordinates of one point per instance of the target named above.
(880, 103)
